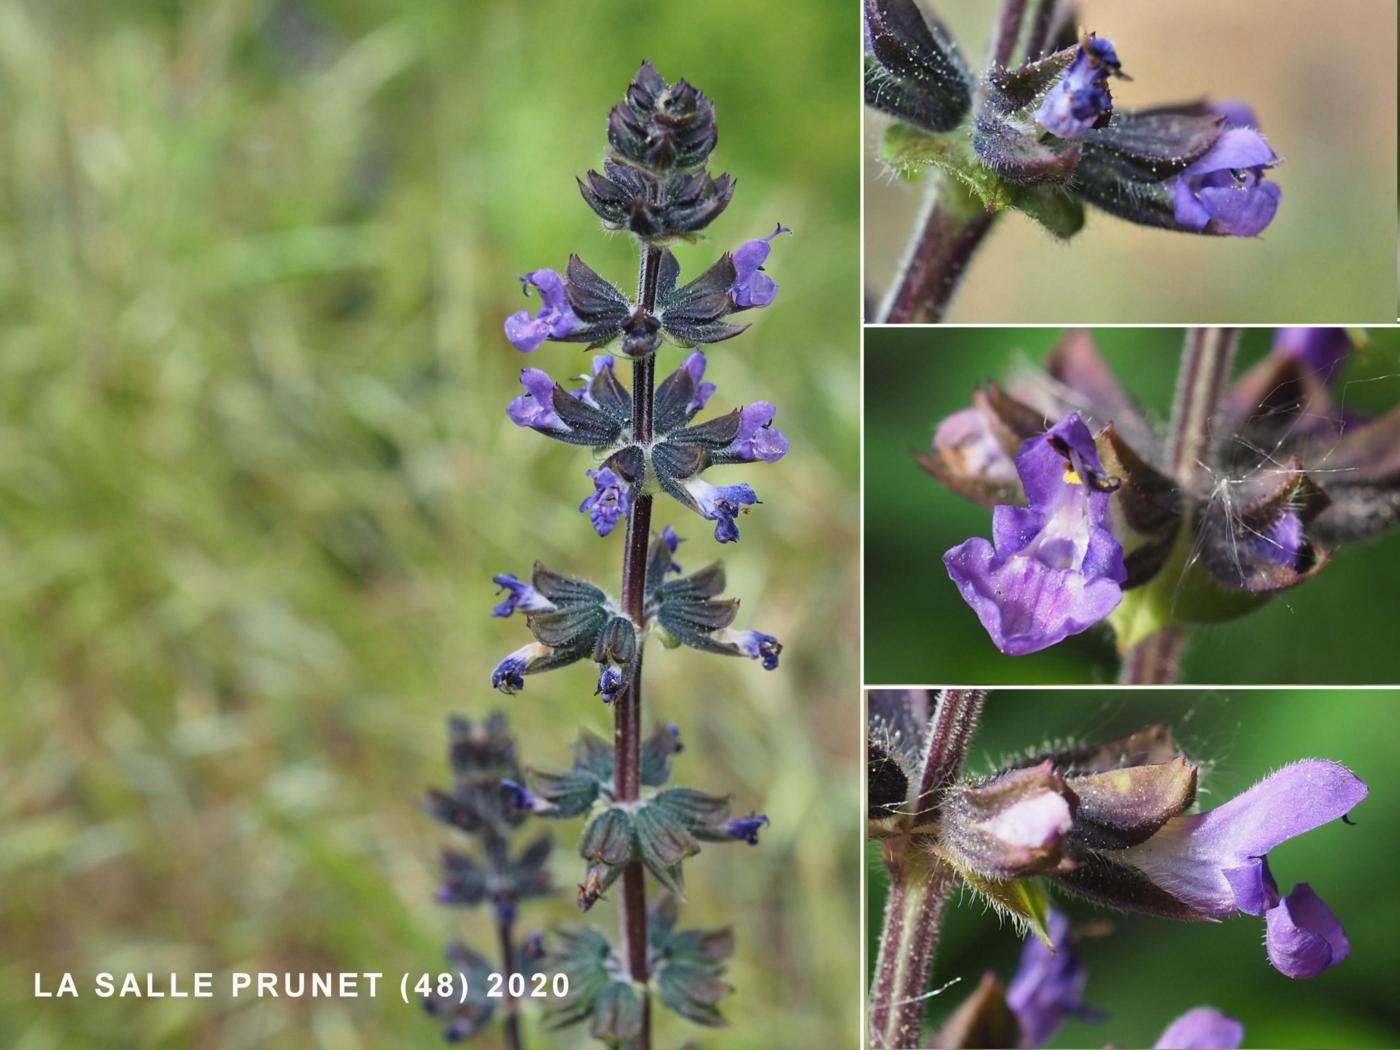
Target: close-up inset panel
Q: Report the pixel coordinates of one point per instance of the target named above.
(1169, 868)
(1199, 505)
(1192, 162)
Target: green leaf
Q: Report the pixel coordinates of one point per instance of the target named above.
(570, 794)
(693, 992)
(662, 839)
(909, 151)
(608, 837)
(617, 1013)
(586, 957)
(693, 808)
(1054, 208)
(593, 753)
(1025, 899)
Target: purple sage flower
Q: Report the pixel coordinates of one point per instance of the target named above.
(519, 595)
(1225, 190)
(1053, 568)
(1081, 98)
(758, 646)
(758, 438)
(1216, 862)
(554, 319)
(695, 365)
(1202, 1029)
(1322, 350)
(520, 796)
(609, 683)
(1237, 113)
(746, 829)
(1303, 936)
(672, 541)
(608, 503)
(752, 287)
(601, 363)
(509, 675)
(721, 504)
(1283, 542)
(1049, 984)
(535, 407)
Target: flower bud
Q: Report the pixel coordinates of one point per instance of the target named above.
(1011, 825)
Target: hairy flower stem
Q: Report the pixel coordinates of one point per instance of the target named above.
(949, 232)
(1013, 13)
(949, 736)
(512, 1036)
(913, 914)
(1040, 28)
(627, 708)
(1154, 660)
(919, 882)
(1206, 366)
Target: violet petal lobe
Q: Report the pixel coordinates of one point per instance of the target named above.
(1323, 350)
(1053, 568)
(752, 287)
(609, 501)
(1190, 856)
(1202, 1029)
(1303, 936)
(535, 407)
(1048, 986)
(1226, 190)
(1081, 98)
(1282, 542)
(695, 365)
(554, 319)
(758, 438)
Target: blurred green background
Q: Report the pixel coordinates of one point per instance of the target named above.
(1328, 256)
(255, 475)
(1337, 628)
(1148, 971)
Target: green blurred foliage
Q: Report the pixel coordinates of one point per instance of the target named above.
(1329, 255)
(255, 474)
(1145, 971)
(1337, 628)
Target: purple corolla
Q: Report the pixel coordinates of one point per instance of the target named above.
(1322, 350)
(721, 504)
(695, 365)
(1049, 984)
(752, 287)
(1225, 191)
(519, 595)
(554, 319)
(1081, 98)
(1201, 1029)
(1216, 862)
(1053, 568)
(535, 407)
(758, 438)
(746, 829)
(608, 504)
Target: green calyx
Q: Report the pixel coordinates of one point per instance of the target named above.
(1182, 592)
(971, 187)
